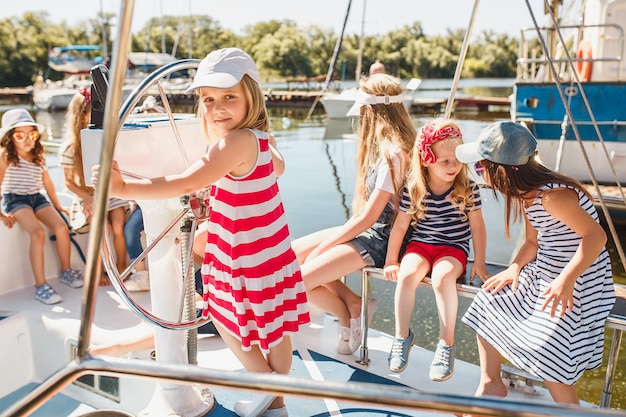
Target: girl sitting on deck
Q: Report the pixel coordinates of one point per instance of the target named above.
(386, 136)
(70, 156)
(23, 174)
(546, 312)
(443, 207)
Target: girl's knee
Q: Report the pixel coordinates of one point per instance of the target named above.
(38, 234)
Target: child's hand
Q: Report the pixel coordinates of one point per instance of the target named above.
(497, 282)
(560, 292)
(479, 270)
(391, 271)
(116, 180)
(8, 221)
(64, 210)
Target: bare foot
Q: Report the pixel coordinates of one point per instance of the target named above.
(494, 389)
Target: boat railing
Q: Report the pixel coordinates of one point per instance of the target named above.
(530, 61)
(615, 321)
(357, 392)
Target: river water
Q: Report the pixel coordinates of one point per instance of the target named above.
(316, 189)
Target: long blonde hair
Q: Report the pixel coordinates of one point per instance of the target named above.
(417, 179)
(382, 128)
(257, 117)
(75, 121)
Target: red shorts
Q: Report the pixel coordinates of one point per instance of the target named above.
(432, 253)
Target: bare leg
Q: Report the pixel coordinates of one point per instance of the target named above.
(562, 393)
(490, 379)
(413, 269)
(278, 360)
(305, 244)
(51, 218)
(117, 218)
(199, 242)
(26, 218)
(347, 296)
(445, 272)
(327, 267)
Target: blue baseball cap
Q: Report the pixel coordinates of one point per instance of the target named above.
(505, 143)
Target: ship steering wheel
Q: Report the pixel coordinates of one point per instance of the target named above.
(186, 219)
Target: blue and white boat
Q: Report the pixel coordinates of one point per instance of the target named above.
(577, 92)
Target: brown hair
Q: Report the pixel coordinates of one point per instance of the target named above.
(11, 153)
(382, 127)
(520, 182)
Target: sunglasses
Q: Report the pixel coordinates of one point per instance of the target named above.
(478, 168)
(21, 136)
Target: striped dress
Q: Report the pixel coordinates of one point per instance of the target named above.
(255, 289)
(556, 348)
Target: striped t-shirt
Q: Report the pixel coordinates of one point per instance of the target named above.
(23, 179)
(443, 223)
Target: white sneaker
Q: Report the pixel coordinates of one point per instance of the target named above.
(355, 334)
(343, 346)
(254, 408)
(139, 281)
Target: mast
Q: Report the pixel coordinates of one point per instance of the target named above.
(359, 61)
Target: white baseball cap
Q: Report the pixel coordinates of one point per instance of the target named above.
(224, 68)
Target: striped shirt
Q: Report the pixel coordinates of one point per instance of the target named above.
(23, 179)
(443, 223)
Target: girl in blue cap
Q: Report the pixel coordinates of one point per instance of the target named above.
(23, 175)
(545, 313)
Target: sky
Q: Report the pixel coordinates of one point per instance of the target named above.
(381, 16)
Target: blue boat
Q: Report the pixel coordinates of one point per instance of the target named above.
(574, 86)
(75, 59)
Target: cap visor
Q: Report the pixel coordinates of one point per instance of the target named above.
(215, 80)
(355, 110)
(468, 153)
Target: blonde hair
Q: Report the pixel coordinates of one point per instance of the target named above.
(382, 128)
(462, 195)
(75, 121)
(257, 117)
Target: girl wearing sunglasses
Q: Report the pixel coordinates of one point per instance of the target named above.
(23, 175)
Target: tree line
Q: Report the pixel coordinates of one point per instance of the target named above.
(281, 48)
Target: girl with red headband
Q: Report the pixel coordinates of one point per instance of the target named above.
(442, 206)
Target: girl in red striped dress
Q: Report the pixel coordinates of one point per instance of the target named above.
(256, 295)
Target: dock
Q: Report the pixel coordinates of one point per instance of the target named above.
(16, 95)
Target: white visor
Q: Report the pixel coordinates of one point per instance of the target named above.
(363, 99)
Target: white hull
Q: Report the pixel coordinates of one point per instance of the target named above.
(573, 163)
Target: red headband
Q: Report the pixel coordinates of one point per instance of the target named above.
(86, 94)
(429, 135)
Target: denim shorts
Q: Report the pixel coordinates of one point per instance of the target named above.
(372, 243)
(13, 202)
